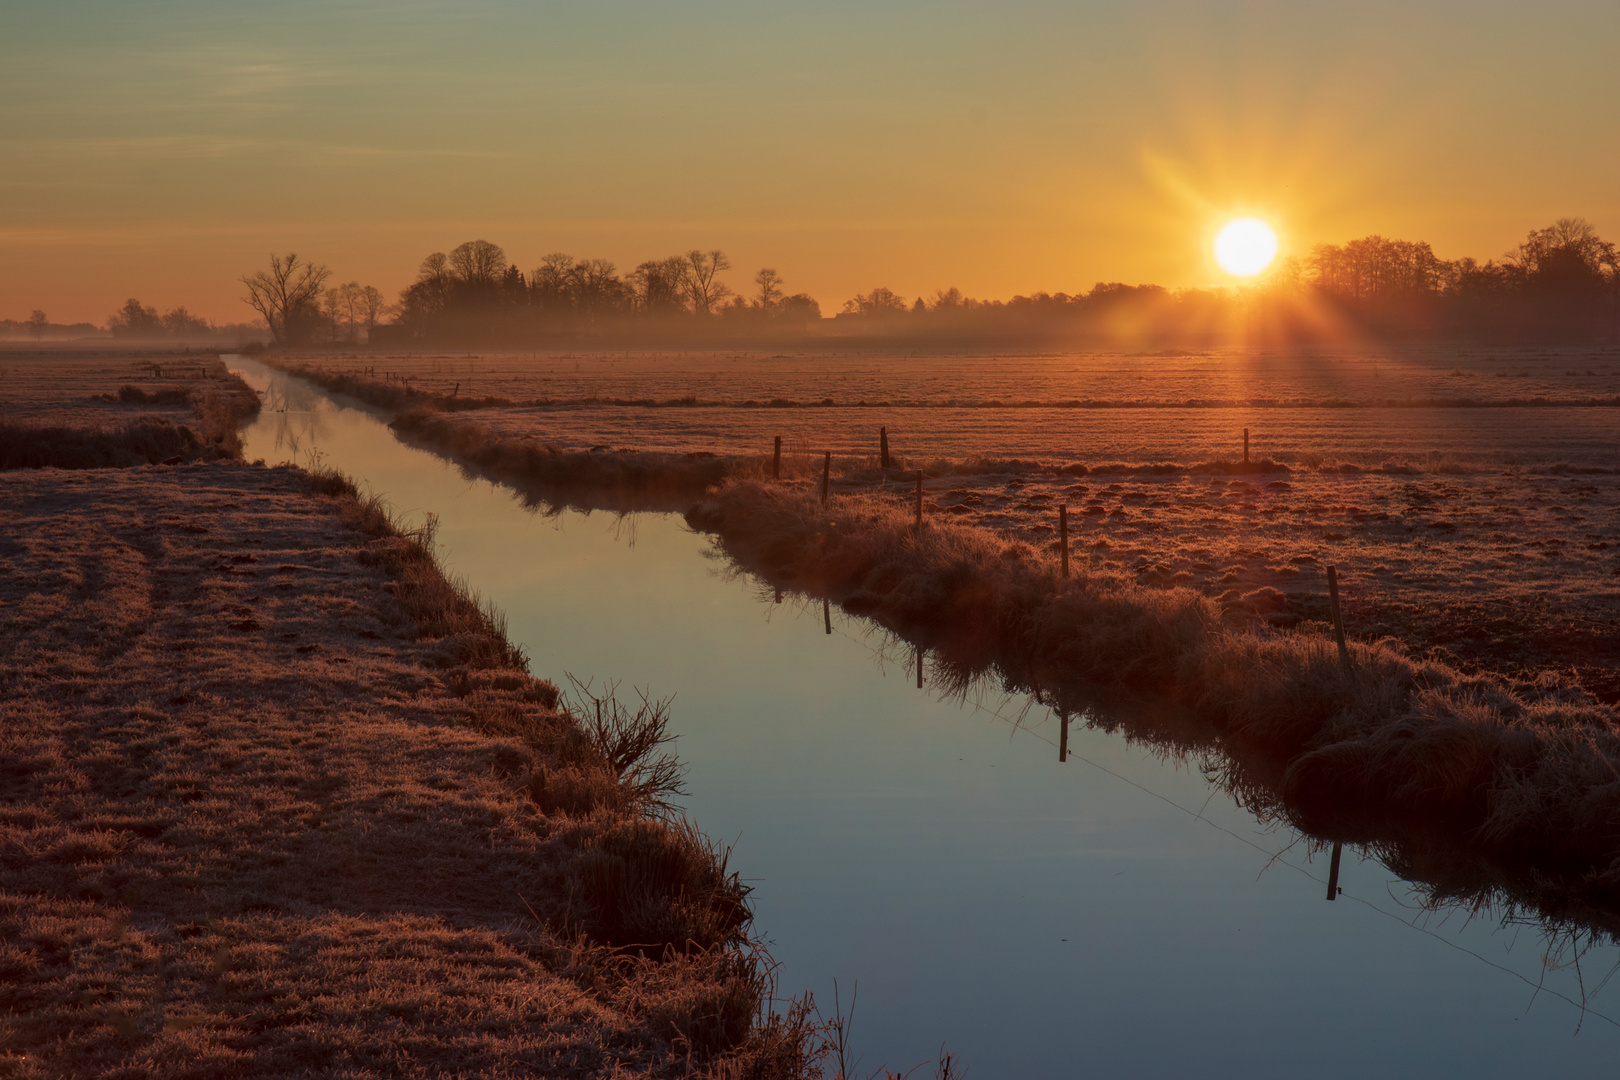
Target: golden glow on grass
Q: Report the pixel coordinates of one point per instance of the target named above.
(1245, 246)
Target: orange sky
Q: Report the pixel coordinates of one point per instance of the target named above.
(161, 150)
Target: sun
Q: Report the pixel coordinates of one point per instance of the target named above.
(1245, 246)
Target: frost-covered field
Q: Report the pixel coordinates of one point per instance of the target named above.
(1172, 377)
(1469, 497)
(81, 389)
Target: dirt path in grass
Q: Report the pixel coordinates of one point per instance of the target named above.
(258, 817)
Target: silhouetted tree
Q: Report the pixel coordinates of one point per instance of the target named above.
(478, 262)
(135, 319)
(660, 286)
(178, 322)
(38, 321)
(770, 288)
(800, 307)
(880, 301)
(598, 291)
(287, 296)
(549, 284)
(703, 288)
(343, 308)
(372, 306)
(435, 268)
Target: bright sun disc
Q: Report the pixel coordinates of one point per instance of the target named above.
(1245, 246)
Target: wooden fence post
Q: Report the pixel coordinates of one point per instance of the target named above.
(1333, 871)
(826, 614)
(826, 476)
(883, 447)
(1245, 446)
(1063, 538)
(1063, 739)
(919, 498)
(776, 460)
(919, 666)
(1338, 618)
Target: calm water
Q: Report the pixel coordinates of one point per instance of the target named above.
(1106, 917)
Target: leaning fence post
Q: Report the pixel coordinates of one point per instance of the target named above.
(1063, 739)
(826, 476)
(1338, 618)
(1333, 871)
(776, 460)
(1245, 446)
(826, 614)
(1063, 538)
(919, 497)
(883, 447)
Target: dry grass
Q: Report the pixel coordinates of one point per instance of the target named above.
(276, 799)
(1518, 782)
(84, 412)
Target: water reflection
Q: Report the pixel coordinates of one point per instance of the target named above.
(1123, 913)
(1448, 875)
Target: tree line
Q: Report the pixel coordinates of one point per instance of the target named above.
(1562, 282)
(475, 292)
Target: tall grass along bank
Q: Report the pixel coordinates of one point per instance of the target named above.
(1518, 777)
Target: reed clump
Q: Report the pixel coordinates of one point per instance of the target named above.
(1523, 773)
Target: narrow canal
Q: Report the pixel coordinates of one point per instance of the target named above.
(1113, 915)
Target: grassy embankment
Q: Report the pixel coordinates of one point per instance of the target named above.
(1479, 787)
(278, 798)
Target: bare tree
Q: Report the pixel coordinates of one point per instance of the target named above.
(881, 301)
(770, 288)
(660, 285)
(436, 267)
(597, 288)
(284, 293)
(37, 322)
(343, 306)
(478, 261)
(702, 288)
(372, 306)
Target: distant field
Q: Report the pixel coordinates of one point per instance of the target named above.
(82, 389)
(1470, 497)
(1174, 376)
(1425, 407)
